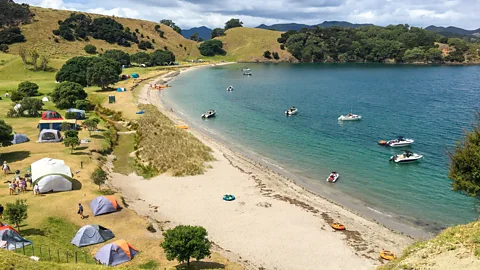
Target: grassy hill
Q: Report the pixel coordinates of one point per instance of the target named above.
(39, 36)
(455, 248)
(248, 44)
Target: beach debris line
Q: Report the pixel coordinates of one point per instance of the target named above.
(338, 226)
(387, 255)
(228, 197)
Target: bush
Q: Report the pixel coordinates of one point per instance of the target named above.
(16, 96)
(67, 93)
(11, 35)
(83, 105)
(6, 132)
(145, 45)
(91, 49)
(140, 58)
(32, 106)
(28, 89)
(16, 212)
(185, 242)
(4, 48)
(71, 115)
(267, 54)
(275, 56)
(71, 142)
(68, 133)
(282, 47)
(212, 47)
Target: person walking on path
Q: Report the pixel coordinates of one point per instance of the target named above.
(5, 169)
(80, 210)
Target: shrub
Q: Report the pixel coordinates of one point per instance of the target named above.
(275, 56)
(71, 115)
(4, 48)
(145, 45)
(83, 105)
(11, 35)
(232, 23)
(28, 89)
(67, 93)
(120, 56)
(91, 49)
(6, 132)
(32, 106)
(16, 96)
(267, 54)
(161, 58)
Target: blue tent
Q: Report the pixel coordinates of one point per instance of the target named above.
(120, 89)
(80, 113)
(135, 75)
(19, 138)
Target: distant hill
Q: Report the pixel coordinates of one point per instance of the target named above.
(452, 31)
(296, 26)
(203, 32)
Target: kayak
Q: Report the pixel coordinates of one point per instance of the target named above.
(228, 197)
(338, 226)
(387, 255)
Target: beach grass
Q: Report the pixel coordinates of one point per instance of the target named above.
(169, 149)
(124, 163)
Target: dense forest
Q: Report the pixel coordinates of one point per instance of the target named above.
(81, 26)
(399, 43)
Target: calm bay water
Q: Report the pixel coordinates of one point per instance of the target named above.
(431, 104)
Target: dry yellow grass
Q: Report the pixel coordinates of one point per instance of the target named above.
(248, 44)
(39, 36)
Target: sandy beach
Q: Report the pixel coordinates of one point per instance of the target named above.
(273, 223)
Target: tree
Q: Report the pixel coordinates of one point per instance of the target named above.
(99, 177)
(70, 133)
(465, 162)
(232, 23)
(28, 89)
(434, 55)
(75, 70)
(44, 63)
(71, 142)
(104, 72)
(414, 55)
(90, 49)
(16, 96)
(32, 106)
(161, 58)
(185, 242)
(140, 58)
(66, 94)
(83, 105)
(267, 54)
(65, 127)
(172, 25)
(145, 45)
(4, 48)
(120, 56)
(6, 133)
(16, 212)
(212, 47)
(217, 32)
(91, 124)
(275, 55)
(194, 37)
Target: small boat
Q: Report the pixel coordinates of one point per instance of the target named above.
(230, 88)
(399, 142)
(387, 255)
(209, 113)
(228, 197)
(406, 157)
(182, 126)
(247, 73)
(291, 111)
(245, 69)
(382, 142)
(333, 177)
(349, 117)
(338, 226)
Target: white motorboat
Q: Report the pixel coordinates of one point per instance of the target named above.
(333, 177)
(209, 113)
(291, 111)
(349, 117)
(230, 88)
(399, 142)
(406, 157)
(247, 73)
(245, 69)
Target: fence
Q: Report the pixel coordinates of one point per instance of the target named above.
(55, 255)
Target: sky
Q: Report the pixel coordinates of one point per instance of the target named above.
(214, 13)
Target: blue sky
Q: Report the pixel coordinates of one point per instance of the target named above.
(211, 13)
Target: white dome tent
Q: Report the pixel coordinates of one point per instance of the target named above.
(45, 99)
(51, 175)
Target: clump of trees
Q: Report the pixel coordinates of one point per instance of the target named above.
(233, 23)
(67, 93)
(172, 25)
(80, 26)
(90, 49)
(120, 56)
(185, 242)
(161, 58)
(196, 38)
(24, 89)
(12, 14)
(103, 72)
(140, 58)
(9, 36)
(217, 32)
(212, 47)
(465, 162)
(160, 32)
(400, 43)
(6, 133)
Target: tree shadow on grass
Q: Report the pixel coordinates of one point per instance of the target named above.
(109, 89)
(32, 231)
(81, 153)
(76, 185)
(200, 265)
(81, 148)
(97, 136)
(15, 156)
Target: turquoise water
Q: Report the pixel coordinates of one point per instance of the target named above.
(431, 104)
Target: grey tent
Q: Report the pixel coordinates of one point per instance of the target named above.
(19, 138)
(116, 253)
(49, 135)
(91, 235)
(103, 205)
(10, 239)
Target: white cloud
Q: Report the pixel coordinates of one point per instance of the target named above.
(212, 13)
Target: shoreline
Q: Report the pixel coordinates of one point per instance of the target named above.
(275, 197)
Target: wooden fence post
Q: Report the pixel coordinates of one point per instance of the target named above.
(66, 255)
(58, 254)
(85, 257)
(76, 257)
(23, 247)
(33, 250)
(49, 256)
(40, 252)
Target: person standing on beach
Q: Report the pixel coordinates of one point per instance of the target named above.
(80, 210)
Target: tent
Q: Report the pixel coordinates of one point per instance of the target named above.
(11, 239)
(17, 107)
(120, 89)
(80, 113)
(57, 124)
(135, 75)
(91, 235)
(49, 135)
(19, 138)
(116, 253)
(104, 205)
(45, 99)
(51, 175)
(51, 115)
